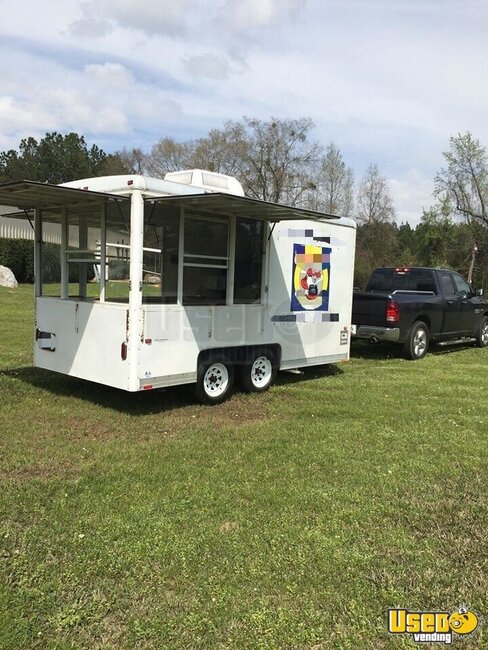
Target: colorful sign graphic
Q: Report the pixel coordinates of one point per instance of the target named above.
(311, 278)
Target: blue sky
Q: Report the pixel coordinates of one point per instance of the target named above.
(389, 81)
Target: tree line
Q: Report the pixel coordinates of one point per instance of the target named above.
(281, 161)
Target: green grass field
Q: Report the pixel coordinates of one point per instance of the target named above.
(292, 519)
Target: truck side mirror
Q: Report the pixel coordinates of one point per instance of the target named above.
(479, 292)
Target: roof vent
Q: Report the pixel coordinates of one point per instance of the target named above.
(209, 181)
(215, 180)
(180, 177)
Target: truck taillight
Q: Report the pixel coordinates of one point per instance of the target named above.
(392, 312)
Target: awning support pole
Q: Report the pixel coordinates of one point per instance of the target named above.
(102, 274)
(29, 220)
(135, 293)
(38, 252)
(63, 256)
(271, 231)
(232, 256)
(181, 252)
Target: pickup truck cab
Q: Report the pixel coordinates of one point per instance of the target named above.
(416, 306)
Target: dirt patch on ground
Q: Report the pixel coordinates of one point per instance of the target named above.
(239, 411)
(81, 428)
(40, 472)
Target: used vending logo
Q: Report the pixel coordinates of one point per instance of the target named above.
(432, 627)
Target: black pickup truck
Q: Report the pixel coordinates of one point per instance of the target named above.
(417, 306)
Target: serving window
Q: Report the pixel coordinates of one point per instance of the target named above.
(198, 259)
(187, 258)
(85, 253)
(160, 255)
(205, 261)
(248, 265)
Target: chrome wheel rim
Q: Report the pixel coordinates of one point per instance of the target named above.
(484, 334)
(216, 380)
(261, 372)
(420, 342)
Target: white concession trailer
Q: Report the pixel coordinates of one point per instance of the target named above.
(184, 280)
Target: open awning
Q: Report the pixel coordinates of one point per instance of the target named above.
(30, 195)
(218, 204)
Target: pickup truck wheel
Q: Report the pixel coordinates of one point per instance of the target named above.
(417, 342)
(482, 333)
(215, 379)
(258, 375)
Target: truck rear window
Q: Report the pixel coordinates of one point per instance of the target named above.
(403, 280)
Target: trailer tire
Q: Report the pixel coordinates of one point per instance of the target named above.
(417, 341)
(482, 333)
(215, 380)
(259, 373)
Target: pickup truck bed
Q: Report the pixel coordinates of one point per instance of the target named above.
(416, 306)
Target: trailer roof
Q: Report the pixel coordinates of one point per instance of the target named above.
(29, 195)
(219, 204)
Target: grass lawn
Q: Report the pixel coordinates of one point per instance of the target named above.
(292, 519)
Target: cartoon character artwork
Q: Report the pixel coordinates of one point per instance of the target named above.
(311, 275)
(463, 621)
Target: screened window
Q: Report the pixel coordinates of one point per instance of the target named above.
(206, 238)
(117, 252)
(205, 261)
(170, 259)
(248, 261)
(71, 253)
(160, 255)
(82, 253)
(51, 253)
(78, 257)
(203, 285)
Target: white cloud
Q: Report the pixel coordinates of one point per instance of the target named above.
(110, 75)
(90, 27)
(86, 113)
(153, 17)
(244, 14)
(19, 116)
(102, 100)
(411, 193)
(209, 64)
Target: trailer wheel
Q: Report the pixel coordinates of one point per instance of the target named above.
(482, 333)
(215, 379)
(259, 374)
(417, 342)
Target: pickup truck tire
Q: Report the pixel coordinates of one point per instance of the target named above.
(417, 341)
(482, 333)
